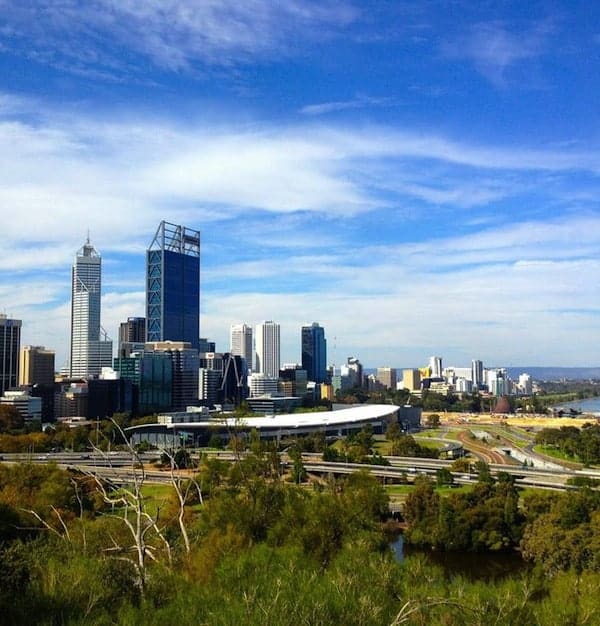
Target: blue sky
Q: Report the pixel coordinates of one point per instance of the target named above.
(419, 177)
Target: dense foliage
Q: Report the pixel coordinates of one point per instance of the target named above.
(580, 444)
(263, 550)
(486, 518)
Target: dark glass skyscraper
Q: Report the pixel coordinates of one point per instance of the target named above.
(314, 352)
(10, 344)
(173, 285)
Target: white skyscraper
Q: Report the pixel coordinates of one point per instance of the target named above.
(241, 342)
(89, 353)
(268, 349)
(435, 364)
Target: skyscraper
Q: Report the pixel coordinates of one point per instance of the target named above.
(36, 366)
(477, 373)
(268, 349)
(241, 342)
(89, 352)
(132, 331)
(173, 285)
(435, 364)
(314, 352)
(387, 377)
(10, 342)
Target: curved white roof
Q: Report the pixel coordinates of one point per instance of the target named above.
(362, 413)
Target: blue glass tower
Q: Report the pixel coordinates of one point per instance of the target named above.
(173, 285)
(314, 352)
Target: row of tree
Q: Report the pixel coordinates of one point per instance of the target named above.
(581, 445)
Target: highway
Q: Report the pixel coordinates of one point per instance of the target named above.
(117, 466)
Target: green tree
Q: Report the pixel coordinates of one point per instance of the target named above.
(433, 420)
(10, 419)
(444, 477)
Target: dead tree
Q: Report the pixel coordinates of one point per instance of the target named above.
(147, 537)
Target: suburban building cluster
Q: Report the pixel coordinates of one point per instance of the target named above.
(162, 364)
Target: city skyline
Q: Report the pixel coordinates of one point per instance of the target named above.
(421, 180)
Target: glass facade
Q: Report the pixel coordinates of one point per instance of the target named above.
(314, 353)
(10, 343)
(173, 285)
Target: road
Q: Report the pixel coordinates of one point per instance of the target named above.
(482, 452)
(118, 467)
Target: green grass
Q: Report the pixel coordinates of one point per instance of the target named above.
(553, 452)
(383, 447)
(434, 445)
(394, 490)
(155, 496)
(433, 432)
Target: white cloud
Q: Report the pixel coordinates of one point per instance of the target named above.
(91, 36)
(499, 291)
(359, 102)
(494, 48)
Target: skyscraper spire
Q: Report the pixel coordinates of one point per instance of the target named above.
(89, 352)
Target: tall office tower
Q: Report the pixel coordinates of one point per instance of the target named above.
(36, 366)
(314, 352)
(387, 377)
(411, 379)
(89, 351)
(234, 382)
(268, 349)
(209, 383)
(241, 342)
(132, 331)
(352, 371)
(10, 342)
(173, 285)
(477, 374)
(435, 364)
(185, 366)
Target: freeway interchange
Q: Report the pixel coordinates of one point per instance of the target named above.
(118, 467)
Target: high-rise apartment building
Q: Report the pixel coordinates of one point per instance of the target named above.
(10, 342)
(268, 355)
(241, 342)
(411, 379)
(132, 331)
(314, 352)
(90, 351)
(387, 377)
(173, 285)
(36, 366)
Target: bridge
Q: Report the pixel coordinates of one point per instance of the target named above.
(119, 467)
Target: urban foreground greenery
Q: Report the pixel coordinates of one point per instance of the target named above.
(245, 543)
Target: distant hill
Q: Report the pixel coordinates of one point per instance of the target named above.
(556, 373)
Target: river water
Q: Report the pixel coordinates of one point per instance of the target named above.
(589, 405)
(471, 565)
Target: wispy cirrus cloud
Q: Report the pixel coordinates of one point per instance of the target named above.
(359, 102)
(494, 47)
(106, 37)
(123, 177)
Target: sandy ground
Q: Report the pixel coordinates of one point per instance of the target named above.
(523, 421)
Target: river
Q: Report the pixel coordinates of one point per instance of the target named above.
(474, 566)
(589, 405)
